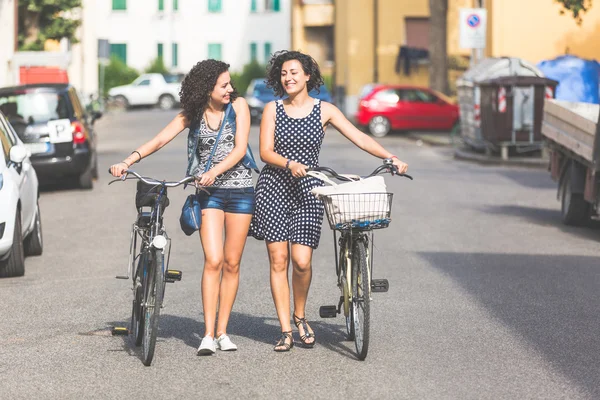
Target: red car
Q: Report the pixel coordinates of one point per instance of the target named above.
(383, 108)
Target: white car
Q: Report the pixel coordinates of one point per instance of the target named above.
(20, 222)
(149, 89)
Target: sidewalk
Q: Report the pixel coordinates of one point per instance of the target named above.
(464, 153)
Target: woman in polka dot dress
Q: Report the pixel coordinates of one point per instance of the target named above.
(287, 216)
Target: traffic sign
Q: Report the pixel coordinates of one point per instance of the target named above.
(473, 27)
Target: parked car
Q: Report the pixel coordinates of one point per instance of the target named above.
(56, 129)
(258, 95)
(149, 89)
(383, 108)
(20, 222)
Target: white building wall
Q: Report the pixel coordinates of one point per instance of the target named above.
(83, 69)
(193, 27)
(7, 40)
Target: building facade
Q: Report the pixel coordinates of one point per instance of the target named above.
(184, 32)
(8, 33)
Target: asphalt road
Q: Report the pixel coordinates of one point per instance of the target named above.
(490, 296)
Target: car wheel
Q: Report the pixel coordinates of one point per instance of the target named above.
(379, 126)
(166, 102)
(86, 179)
(15, 264)
(95, 168)
(34, 244)
(121, 101)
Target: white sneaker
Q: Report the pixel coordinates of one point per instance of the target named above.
(225, 344)
(207, 347)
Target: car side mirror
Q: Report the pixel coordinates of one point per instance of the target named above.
(96, 115)
(18, 154)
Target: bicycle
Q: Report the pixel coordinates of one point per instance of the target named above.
(151, 274)
(355, 216)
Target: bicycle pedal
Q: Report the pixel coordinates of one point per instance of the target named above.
(119, 331)
(328, 311)
(379, 285)
(121, 277)
(172, 275)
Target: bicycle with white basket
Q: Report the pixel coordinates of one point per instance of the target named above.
(355, 209)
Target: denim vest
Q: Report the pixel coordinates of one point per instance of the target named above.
(194, 136)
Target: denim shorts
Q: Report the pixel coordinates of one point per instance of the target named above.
(235, 200)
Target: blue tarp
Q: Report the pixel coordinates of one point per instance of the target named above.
(578, 79)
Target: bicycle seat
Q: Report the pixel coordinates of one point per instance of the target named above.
(147, 195)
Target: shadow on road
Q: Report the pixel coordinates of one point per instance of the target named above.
(549, 301)
(256, 328)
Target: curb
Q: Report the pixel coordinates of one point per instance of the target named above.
(466, 155)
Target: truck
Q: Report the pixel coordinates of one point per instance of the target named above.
(571, 131)
(149, 89)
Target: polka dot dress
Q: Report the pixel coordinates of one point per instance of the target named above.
(285, 208)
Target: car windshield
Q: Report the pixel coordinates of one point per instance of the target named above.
(261, 89)
(34, 107)
(173, 78)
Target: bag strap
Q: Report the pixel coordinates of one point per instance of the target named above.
(212, 153)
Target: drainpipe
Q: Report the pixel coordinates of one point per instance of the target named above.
(375, 41)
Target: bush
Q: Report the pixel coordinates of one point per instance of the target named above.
(117, 73)
(253, 70)
(157, 66)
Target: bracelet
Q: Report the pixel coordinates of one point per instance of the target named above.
(287, 164)
(139, 155)
(123, 162)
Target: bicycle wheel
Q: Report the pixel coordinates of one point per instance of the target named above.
(360, 298)
(153, 300)
(348, 313)
(137, 325)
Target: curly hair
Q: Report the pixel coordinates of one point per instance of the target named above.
(197, 86)
(309, 65)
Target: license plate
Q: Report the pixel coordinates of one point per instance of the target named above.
(37, 148)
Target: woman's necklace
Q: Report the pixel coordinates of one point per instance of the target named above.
(208, 124)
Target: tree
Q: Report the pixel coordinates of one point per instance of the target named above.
(157, 66)
(438, 51)
(40, 20)
(576, 7)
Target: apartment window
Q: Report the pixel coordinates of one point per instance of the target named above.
(119, 50)
(214, 51)
(253, 6)
(267, 52)
(272, 5)
(417, 32)
(161, 5)
(159, 50)
(119, 4)
(175, 5)
(253, 52)
(214, 6)
(174, 55)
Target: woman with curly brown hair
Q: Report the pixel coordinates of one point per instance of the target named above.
(211, 104)
(287, 215)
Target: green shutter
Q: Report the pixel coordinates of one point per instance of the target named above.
(267, 52)
(253, 6)
(275, 5)
(159, 50)
(119, 50)
(175, 5)
(214, 51)
(119, 4)
(214, 6)
(174, 55)
(253, 52)
(161, 5)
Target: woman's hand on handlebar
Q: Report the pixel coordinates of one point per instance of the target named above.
(401, 166)
(298, 170)
(118, 170)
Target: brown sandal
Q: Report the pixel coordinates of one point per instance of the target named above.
(307, 334)
(282, 344)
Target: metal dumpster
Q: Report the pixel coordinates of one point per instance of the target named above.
(469, 96)
(512, 108)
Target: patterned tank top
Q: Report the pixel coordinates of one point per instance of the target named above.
(237, 177)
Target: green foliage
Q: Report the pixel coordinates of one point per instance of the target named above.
(241, 80)
(157, 66)
(328, 79)
(117, 73)
(40, 20)
(576, 7)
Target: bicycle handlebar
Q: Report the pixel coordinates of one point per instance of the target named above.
(387, 168)
(151, 181)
